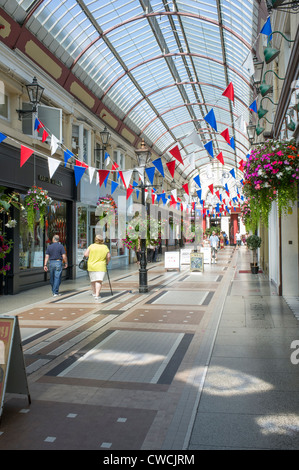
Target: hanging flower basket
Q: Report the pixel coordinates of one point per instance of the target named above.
(36, 202)
(271, 174)
(149, 229)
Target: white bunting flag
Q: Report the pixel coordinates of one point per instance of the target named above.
(127, 177)
(53, 164)
(195, 139)
(140, 170)
(91, 171)
(54, 144)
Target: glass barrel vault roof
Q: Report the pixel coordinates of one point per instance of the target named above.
(160, 66)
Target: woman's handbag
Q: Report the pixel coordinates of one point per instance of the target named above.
(83, 263)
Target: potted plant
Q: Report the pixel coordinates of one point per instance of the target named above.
(253, 243)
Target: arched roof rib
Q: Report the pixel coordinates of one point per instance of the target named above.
(176, 85)
(157, 14)
(176, 54)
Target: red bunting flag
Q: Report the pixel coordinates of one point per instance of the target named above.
(79, 163)
(122, 178)
(241, 165)
(172, 201)
(220, 158)
(211, 188)
(102, 176)
(171, 167)
(217, 194)
(186, 188)
(114, 166)
(225, 135)
(175, 152)
(129, 191)
(45, 135)
(25, 154)
(229, 92)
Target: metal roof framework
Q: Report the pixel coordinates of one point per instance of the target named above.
(159, 65)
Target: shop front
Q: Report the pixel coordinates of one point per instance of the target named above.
(30, 240)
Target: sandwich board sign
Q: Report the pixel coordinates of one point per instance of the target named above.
(172, 260)
(13, 377)
(197, 262)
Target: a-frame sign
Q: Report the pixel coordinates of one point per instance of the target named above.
(13, 378)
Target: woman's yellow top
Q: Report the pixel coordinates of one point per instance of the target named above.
(97, 257)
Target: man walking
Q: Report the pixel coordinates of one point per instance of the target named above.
(56, 255)
(214, 241)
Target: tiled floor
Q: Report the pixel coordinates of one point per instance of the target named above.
(185, 366)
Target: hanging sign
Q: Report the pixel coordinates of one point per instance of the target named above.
(172, 260)
(13, 377)
(196, 261)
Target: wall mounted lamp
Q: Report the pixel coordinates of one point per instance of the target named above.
(261, 111)
(264, 88)
(270, 53)
(35, 92)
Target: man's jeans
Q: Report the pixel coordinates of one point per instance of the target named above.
(55, 275)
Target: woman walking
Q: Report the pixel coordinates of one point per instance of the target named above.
(98, 259)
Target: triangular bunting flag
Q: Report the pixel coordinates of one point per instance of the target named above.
(113, 186)
(195, 139)
(53, 164)
(45, 135)
(186, 188)
(232, 172)
(54, 144)
(253, 106)
(129, 191)
(232, 143)
(199, 191)
(141, 172)
(267, 28)
(2, 137)
(175, 152)
(25, 154)
(114, 166)
(120, 174)
(174, 193)
(102, 176)
(220, 158)
(150, 173)
(158, 165)
(209, 147)
(67, 155)
(225, 135)
(248, 64)
(197, 180)
(79, 163)
(79, 171)
(37, 125)
(127, 177)
(106, 180)
(171, 167)
(229, 92)
(211, 188)
(210, 118)
(217, 193)
(91, 171)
